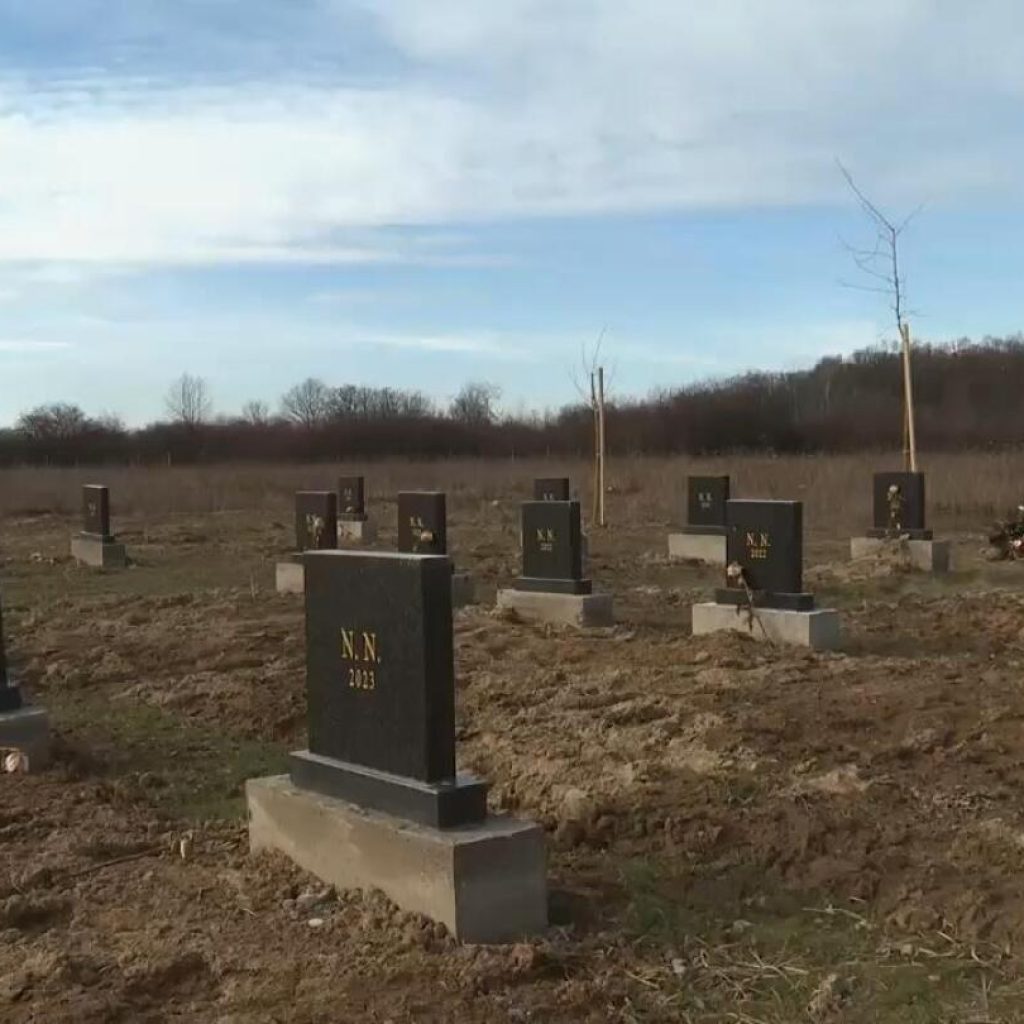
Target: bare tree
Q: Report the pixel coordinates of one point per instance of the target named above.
(56, 422)
(881, 263)
(475, 403)
(188, 401)
(256, 412)
(308, 403)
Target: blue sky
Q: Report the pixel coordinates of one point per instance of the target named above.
(422, 192)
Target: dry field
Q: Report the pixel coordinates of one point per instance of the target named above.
(736, 832)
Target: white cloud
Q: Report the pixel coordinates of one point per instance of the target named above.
(527, 107)
(31, 345)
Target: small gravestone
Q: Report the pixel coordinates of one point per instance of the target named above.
(765, 540)
(554, 488)
(552, 587)
(353, 523)
(316, 520)
(423, 530)
(763, 592)
(703, 538)
(316, 529)
(10, 695)
(898, 506)
(376, 802)
(95, 545)
(552, 548)
(24, 729)
(898, 523)
(422, 523)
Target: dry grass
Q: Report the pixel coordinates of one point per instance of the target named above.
(965, 490)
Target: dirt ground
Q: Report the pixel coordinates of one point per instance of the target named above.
(736, 832)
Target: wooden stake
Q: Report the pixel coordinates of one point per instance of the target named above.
(597, 447)
(600, 449)
(910, 453)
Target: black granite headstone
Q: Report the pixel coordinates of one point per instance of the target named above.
(96, 511)
(552, 548)
(316, 520)
(705, 504)
(555, 488)
(765, 540)
(422, 523)
(898, 504)
(10, 696)
(351, 499)
(380, 687)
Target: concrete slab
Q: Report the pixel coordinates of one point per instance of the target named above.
(923, 555)
(356, 531)
(484, 883)
(290, 578)
(463, 590)
(699, 547)
(559, 609)
(818, 629)
(97, 552)
(26, 732)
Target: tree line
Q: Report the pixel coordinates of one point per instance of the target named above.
(968, 395)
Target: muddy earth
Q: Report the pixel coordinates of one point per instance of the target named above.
(736, 832)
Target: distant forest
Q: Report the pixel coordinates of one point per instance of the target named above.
(968, 395)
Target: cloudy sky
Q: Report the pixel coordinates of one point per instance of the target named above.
(421, 192)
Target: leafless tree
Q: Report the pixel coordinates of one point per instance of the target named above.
(58, 421)
(475, 403)
(881, 263)
(308, 403)
(256, 412)
(188, 400)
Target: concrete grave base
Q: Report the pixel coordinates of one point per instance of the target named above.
(699, 547)
(817, 629)
(356, 531)
(27, 732)
(925, 555)
(463, 590)
(290, 578)
(484, 883)
(98, 552)
(559, 609)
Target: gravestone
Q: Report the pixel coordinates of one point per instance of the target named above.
(899, 506)
(706, 497)
(551, 489)
(353, 522)
(898, 514)
(765, 540)
(764, 594)
(376, 801)
(96, 511)
(552, 587)
(552, 544)
(316, 520)
(702, 539)
(24, 729)
(316, 529)
(380, 688)
(351, 498)
(422, 523)
(10, 696)
(96, 545)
